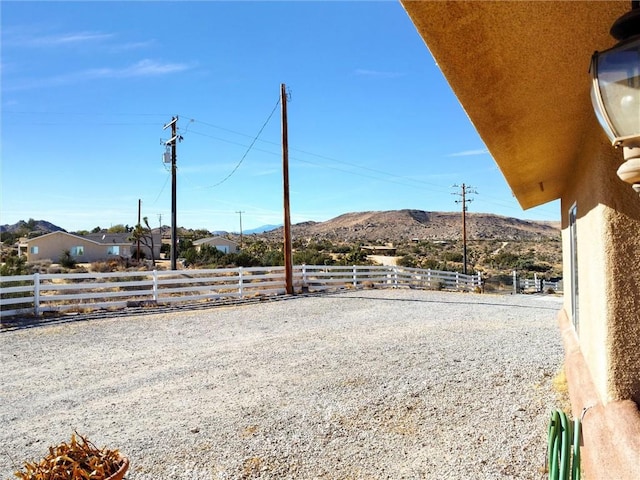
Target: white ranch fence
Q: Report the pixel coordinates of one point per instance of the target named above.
(39, 293)
(536, 284)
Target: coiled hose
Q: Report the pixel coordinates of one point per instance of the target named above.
(564, 440)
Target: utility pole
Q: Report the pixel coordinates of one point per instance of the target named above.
(139, 210)
(160, 231)
(240, 212)
(288, 267)
(464, 190)
(173, 143)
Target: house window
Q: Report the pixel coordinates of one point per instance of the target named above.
(113, 250)
(573, 253)
(77, 251)
(34, 250)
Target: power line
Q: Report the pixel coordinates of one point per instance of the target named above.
(248, 149)
(400, 180)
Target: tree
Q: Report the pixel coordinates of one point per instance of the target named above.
(120, 229)
(14, 265)
(144, 235)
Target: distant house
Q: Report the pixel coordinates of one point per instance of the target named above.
(87, 248)
(223, 244)
(145, 250)
(379, 249)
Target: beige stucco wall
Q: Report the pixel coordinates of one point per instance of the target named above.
(51, 247)
(608, 245)
(221, 243)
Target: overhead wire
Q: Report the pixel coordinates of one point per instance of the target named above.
(399, 179)
(484, 197)
(255, 139)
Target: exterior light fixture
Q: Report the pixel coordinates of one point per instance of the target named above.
(615, 92)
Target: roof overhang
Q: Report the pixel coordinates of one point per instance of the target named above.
(521, 72)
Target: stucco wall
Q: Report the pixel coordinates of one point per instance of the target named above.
(608, 241)
(51, 247)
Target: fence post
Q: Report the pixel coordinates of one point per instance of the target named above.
(355, 277)
(155, 285)
(395, 277)
(36, 294)
(457, 280)
(480, 282)
(304, 274)
(515, 282)
(240, 285)
(429, 278)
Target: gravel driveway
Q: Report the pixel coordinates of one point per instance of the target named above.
(371, 384)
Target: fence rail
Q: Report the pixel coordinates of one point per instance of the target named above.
(39, 293)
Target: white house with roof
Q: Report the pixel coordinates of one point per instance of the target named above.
(86, 248)
(223, 244)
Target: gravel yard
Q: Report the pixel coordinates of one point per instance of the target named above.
(370, 384)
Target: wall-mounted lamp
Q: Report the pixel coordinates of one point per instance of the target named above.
(615, 92)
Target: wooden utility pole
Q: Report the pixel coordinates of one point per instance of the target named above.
(464, 189)
(174, 236)
(139, 210)
(240, 212)
(288, 266)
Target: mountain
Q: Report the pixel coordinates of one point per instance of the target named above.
(395, 226)
(405, 225)
(261, 229)
(39, 226)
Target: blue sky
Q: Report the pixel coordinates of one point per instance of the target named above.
(373, 125)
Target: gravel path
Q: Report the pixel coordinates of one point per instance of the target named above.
(372, 384)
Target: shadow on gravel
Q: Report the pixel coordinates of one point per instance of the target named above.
(21, 323)
(535, 307)
(24, 322)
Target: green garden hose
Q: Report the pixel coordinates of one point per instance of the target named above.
(564, 443)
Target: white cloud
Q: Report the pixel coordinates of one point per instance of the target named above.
(469, 153)
(377, 73)
(143, 68)
(56, 40)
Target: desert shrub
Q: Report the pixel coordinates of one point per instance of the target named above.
(452, 256)
(272, 258)
(312, 257)
(431, 263)
(407, 261)
(100, 267)
(14, 266)
(40, 266)
(67, 260)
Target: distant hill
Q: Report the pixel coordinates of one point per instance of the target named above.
(395, 226)
(37, 226)
(405, 225)
(261, 229)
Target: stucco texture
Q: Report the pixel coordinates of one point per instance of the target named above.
(520, 70)
(608, 238)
